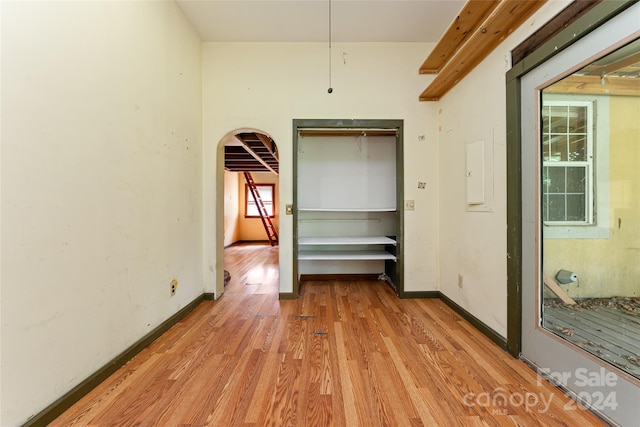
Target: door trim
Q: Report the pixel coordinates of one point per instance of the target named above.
(588, 22)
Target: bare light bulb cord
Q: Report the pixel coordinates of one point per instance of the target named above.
(330, 88)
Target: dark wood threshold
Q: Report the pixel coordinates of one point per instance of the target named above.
(54, 410)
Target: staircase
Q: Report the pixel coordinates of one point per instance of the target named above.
(264, 215)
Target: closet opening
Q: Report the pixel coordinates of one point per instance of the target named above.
(348, 192)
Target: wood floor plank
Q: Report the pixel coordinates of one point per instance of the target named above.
(422, 410)
(343, 354)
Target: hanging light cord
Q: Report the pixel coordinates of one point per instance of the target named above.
(330, 88)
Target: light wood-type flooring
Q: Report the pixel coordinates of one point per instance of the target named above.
(343, 354)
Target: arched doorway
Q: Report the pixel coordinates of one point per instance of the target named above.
(248, 172)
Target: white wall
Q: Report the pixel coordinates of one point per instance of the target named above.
(267, 85)
(101, 187)
(231, 207)
(473, 244)
(104, 182)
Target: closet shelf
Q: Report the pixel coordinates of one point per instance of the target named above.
(345, 255)
(346, 240)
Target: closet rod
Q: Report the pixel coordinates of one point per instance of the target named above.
(347, 132)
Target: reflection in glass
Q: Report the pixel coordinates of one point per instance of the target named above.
(564, 194)
(590, 214)
(577, 148)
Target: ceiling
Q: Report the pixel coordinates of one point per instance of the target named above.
(251, 152)
(308, 21)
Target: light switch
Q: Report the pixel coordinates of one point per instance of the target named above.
(409, 205)
(288, 209)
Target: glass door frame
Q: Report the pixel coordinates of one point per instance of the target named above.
(524, 237)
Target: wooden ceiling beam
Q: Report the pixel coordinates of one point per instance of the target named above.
(242, 161)
(234, 149)
(505, 18)
(269, 144)
(468, 20)
(245, 166)
(239, 156)
(257, 157)
(247, 153)
(243, 169)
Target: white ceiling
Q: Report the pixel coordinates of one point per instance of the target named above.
(308, 20)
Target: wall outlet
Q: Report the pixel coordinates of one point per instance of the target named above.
(460, 281)
(409, 205)
(174, 286)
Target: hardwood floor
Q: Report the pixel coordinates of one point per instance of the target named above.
(343, 354)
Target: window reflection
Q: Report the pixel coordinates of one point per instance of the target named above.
(590, 209)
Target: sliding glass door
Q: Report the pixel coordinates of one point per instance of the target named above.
(581, 218)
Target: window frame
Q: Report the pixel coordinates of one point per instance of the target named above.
(586, 164)
(599, 184)
(248, 199)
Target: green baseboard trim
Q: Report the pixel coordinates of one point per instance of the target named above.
(475, 322)
(209, 296)
(287, 295)
(54, 410)
(420, 294)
